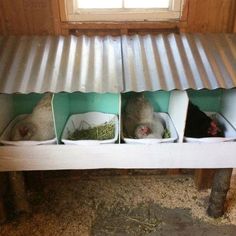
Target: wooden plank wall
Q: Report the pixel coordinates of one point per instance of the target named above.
(211, 15)
(27, 17)
(234, 23)
(42, 17)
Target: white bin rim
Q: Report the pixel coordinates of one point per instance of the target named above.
(167, 122)
(230, 132)
(94, 119)
(4, 139)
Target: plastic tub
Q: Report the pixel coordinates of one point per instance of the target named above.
(4, 139)
(168, 124)
(89, 119)
(229, 131)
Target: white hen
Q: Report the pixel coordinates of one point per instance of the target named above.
(139, 119)
(37, 126)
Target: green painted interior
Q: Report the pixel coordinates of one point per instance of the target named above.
(206, 100)
(86, 102)
(158, 99)
(24, 103)
(66, 104)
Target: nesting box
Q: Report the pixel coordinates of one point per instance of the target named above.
(17, 107)
(164, 104)
(217, 104)
(93, 108)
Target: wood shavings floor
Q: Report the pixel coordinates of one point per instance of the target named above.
(123, 205)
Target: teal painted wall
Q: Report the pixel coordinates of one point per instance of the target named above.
(206, 100)
(158, 99)
(25, 103)
(66, 104)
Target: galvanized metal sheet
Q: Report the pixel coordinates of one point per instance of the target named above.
(115, 64)
(40, 64)
(167, 62)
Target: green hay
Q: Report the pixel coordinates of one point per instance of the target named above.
(101, 132)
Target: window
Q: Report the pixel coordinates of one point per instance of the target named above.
(122, 10)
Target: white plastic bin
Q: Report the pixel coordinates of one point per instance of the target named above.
(4, 139)
(167, 123)
(229, 131)
(92, 119)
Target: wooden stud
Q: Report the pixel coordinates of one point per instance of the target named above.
(56, 16)
(185, 11)
(62, 9)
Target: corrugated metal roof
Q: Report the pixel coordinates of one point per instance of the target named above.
(167, 62)
(117, 64)
(40, 64)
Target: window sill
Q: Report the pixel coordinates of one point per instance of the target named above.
(118, 28)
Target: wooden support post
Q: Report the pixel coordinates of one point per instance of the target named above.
(220, 187)
(203, 178)
(17, 184)
(3, 215)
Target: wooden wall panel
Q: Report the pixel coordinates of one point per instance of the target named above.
(30, 16)
(210, 15)
(14, 17)
(234, 23)
(38, 16)
(43, 17)
(2, 25)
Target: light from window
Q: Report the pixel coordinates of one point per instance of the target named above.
(122, 10)
(99, 4)
(109, 4)
(146, 4)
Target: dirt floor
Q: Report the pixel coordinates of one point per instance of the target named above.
(122, 205)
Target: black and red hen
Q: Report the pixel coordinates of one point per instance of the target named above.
(199, 125)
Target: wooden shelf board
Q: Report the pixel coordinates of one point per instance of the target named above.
(120, 156)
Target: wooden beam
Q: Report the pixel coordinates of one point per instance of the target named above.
(221, 185)
(18, 193)
(120, 25)
(118, 156)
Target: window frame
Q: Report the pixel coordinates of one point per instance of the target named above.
(73, 14)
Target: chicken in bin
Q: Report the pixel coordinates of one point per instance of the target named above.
(38, 125)
(139, 121)
(200, 125)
